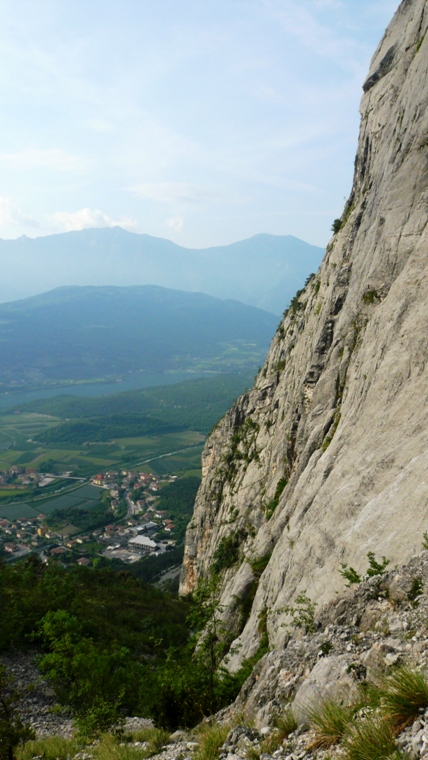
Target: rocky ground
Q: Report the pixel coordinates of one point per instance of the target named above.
(37, 705)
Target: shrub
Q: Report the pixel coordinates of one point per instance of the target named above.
(295, 304)
(336, 226)
(370, 296)
(402, 694)
(279, 366)
(110, 748)
(259, 565)
(316, 284)
(415, 591)
(326, 647)
(330, 722)
(100, 717)
(302, 613)
(332, 430)
(272, 505)
(228, 551)
(374, 568)
(96, 701)
(419, 43)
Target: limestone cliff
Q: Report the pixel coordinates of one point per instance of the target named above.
(326, 458)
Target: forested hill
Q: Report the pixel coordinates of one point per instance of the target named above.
(194, 404)
(99, 332)
(191, 405)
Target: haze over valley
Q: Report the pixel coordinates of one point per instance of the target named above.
(99, 333)
(263, 271)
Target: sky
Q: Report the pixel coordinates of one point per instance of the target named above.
(201, 121)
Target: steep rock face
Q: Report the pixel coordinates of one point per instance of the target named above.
(326, 458)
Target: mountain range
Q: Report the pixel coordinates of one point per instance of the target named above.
(263, 271)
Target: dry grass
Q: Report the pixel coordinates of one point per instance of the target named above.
(370, 739)
(329, 722)
(50, 748)
(285, 724)
(210, 738)
(112, 748)
(109, 747)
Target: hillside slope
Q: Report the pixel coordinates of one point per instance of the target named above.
(95, 332)
(326, 458)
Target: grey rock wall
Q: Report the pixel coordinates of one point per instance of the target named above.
(326, 458)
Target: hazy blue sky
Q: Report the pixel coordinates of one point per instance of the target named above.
(204, 121)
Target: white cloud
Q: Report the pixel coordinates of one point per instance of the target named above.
(33, 158)
(87, 218)
(175, 223)
(11, 214)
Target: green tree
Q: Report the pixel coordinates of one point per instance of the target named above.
(191, 683)
(89, 678)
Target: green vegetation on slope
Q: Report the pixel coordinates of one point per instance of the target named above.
(195, 404)
(111, 645)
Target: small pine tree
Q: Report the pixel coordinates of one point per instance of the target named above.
(350, 574)
(376, 568)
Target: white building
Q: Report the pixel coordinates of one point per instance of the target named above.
(142, 543)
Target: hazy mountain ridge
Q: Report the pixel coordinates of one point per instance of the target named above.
(263, 271)
(99, 332)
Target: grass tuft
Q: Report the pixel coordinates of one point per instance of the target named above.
(112, 748)
(402, 694)
(210, 738)
(155, 739)
(330, 722)
(285, 724)
(370, 739)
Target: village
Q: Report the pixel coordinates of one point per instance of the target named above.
(136, 529)
(18, 478)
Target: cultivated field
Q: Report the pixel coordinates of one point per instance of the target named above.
(20, 432)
